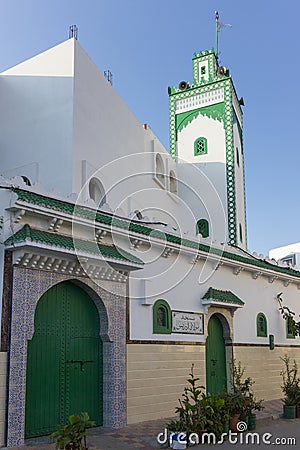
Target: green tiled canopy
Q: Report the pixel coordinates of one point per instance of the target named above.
(226, 297)
(70, 243)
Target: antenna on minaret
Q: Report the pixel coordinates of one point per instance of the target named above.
(217, 34)
(73, 32)
(219, 25)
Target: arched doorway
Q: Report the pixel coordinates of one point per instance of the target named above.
(64, 360)
(216, 378)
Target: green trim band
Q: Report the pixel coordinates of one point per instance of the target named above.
(109, 219)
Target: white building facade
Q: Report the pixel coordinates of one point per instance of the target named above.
(123, 264)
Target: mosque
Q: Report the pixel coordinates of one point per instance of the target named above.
(122, 262)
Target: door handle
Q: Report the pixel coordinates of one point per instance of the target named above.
(81, 362)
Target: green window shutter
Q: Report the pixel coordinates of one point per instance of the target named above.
(161, 317)
(290, 334)
(202, 228)
(261, 325)
(200, 146)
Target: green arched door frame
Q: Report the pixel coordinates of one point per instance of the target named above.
(64, 360)
(216, 367)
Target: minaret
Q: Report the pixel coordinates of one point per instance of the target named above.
(206, 129)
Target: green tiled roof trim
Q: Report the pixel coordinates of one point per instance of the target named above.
(67, 242)
(223, 296)
(109, 219)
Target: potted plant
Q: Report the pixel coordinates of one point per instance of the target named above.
(290, 387)
(191, 415)
(235, 402)
(178, 436)
(216, 413)
(242, 402)
(72, 436)
(248, 414)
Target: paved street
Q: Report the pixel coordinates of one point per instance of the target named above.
(143, 436)
(280, 432)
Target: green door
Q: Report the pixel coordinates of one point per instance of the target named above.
(64, 360)
(216, 379)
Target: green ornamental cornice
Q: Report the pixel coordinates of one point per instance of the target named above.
(185, 94)
(178, 94)
(68, 243)
(144, 230)
(215, 112)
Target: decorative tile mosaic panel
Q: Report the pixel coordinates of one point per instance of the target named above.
(28, 287)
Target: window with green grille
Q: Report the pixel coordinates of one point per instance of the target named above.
(261, 325)
(202, 228)
(161, 317)
(200, 146)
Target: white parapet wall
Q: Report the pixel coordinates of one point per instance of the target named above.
(3, 388)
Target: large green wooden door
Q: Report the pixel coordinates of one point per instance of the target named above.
(64, 362)
(216, 379)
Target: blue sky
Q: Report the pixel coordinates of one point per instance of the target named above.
(148, 45)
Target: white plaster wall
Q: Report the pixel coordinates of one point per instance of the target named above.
(239, 187)
(202, 198)
(183, 285)
(212, 130)
(56, 62)
(104, 126)
(281, 252)
(36, 118)
(212, 167)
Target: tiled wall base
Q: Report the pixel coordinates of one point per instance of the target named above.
(28, 286)
(3, 388)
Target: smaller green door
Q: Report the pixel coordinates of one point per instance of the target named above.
(216, 379)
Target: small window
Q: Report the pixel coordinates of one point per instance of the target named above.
(97, 192)
(161, 317)
(200, 146)
(261, 325)
(237, 156)
(173, 182)
(202, 228)
(159, 169)
(241, 232)
(203, 70)
(26, 180)
(290, 332)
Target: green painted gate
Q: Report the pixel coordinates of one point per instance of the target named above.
(64, 360)
(216, 379)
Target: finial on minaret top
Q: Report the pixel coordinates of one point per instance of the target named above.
(219, 25)
(217, 33)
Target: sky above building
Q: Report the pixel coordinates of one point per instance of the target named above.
(149, 45)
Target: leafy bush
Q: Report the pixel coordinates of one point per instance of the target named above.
(72, 436)
(290, 386)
